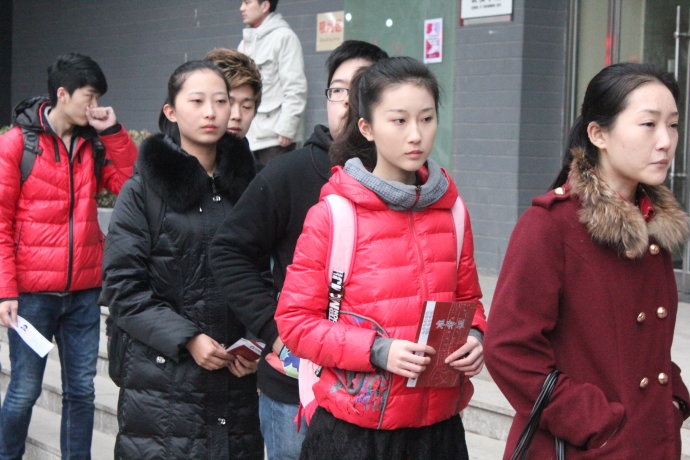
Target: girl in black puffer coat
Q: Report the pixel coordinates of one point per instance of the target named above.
(181, 395)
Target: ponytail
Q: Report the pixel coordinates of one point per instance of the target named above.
(351, 143)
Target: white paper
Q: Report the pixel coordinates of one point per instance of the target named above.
(32, 337)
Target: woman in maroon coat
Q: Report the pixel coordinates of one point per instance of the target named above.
(587, 286)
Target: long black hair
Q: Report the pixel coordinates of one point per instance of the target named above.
(606, 97)
(366, 90)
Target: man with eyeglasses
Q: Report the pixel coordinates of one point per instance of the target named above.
(265, 223)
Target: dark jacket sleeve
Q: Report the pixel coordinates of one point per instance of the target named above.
(517, 346)
(126, 284)
(238, 252)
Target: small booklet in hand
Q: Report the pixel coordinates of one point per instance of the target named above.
(250, 349)
(444, 326)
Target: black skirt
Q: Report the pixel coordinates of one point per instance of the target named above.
(329, 438)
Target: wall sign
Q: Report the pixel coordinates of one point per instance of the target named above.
(330, 30)
(433, 41)
(480, 9)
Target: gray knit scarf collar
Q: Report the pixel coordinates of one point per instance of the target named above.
(399, 196)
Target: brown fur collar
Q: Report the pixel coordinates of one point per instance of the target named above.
(616, 223)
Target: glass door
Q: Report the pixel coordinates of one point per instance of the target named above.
(650, 31)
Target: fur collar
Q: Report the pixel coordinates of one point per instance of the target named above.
(179, 179)
(617, 223)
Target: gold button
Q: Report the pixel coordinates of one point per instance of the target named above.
(641, 317)
(654, 249)
(661, 312)
(559, 191)
(630, 254)
(644, 382)
(662, 378)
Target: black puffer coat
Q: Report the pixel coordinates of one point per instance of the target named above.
(161, 294)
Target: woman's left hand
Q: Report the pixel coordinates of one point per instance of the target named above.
(469, 358)
(241, 366)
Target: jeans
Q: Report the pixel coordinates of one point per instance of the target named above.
(74, 321)
(278, 427)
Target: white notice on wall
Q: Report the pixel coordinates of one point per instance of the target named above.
(472, 9)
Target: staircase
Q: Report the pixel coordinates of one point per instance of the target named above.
(487, 419)
(43, 442)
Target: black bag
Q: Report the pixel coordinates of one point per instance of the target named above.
(116, 349)
(525, 440)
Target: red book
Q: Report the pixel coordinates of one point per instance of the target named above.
(444, 326)
(250, 349)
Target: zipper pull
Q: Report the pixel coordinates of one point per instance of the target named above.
(216, 197)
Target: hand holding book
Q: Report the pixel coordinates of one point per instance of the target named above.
(408, 359)
(468, 359)
(445, 326)
(241, 366)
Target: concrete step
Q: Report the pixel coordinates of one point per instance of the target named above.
(488, 413)
(483, 447)
(43, 441)
(105, 416)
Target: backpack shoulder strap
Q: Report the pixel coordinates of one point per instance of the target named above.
(341, 248)
(98, 159)
(31, 149)
(343, 232)
(458, 212)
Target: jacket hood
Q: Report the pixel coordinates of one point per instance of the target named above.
(342, 183)
(28, 113)
(321, 138)
(179, 178)
(272, 22)
(318, 144)
(615, 222)
(31, 114)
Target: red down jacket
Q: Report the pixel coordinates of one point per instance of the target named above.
(402, 259)
(49, 234)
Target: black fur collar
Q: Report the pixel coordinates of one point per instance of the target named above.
(179, 179)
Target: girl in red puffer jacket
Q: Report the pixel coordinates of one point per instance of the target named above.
(405, 255)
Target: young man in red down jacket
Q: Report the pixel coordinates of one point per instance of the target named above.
(51, 245)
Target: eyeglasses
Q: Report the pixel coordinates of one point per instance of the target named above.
(337, 94)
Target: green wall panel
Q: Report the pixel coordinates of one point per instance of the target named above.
(398, 27)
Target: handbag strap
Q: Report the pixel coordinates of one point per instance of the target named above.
(530, 429)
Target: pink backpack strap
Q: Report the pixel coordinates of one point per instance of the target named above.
(458, 212)
(342, 237)
(341, 247)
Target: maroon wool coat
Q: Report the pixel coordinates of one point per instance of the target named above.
(603, 314)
